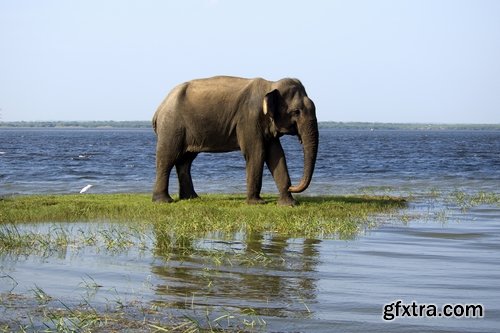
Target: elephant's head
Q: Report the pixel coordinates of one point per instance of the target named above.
(290, 111)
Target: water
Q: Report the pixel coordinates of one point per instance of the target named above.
(445, 254)
(64, 161)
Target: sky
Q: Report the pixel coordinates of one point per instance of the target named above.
(400, 61)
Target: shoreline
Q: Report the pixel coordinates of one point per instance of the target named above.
(369, 126)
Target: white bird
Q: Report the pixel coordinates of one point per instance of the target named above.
(85, 189)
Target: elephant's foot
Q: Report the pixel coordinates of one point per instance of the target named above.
(287, 201)
(162, 198)
(187, 196)
(255, 201)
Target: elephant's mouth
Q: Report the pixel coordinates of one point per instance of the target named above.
(293, 131)
(296, 132)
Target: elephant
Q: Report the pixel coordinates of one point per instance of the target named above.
(222, 114)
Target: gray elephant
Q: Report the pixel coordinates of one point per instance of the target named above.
(222, 114)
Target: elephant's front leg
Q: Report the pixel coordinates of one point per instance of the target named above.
(254, 169)
(276, 162)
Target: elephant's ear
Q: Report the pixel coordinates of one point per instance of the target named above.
(271, 103)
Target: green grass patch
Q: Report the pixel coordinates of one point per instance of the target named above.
(468, 200)
(169, 231)
(315, 216)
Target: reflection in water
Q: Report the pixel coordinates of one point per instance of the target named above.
(271, 275)
(344, 284)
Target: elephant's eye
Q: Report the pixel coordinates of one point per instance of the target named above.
(295, 112)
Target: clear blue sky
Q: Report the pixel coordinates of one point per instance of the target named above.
(384, 61)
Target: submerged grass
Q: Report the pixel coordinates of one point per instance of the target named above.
(468, 200)
(316, 216)
(55, 316)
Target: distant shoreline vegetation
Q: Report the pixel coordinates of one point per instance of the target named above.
(76, 124)
(328, 124)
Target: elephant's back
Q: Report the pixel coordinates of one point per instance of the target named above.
(207, 105)
(215, 89)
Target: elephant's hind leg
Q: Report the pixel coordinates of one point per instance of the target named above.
(160, 193)
(183, 167)
(166, 158)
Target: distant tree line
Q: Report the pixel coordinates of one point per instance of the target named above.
(406, 126)
(328, 124)
(77, 124)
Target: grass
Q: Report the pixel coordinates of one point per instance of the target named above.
(320, 216)
(55, 316)
(173, 229)
(166, 229)
(468, 200)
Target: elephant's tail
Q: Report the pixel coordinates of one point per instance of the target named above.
(154, 122)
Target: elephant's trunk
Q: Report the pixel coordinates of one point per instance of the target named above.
(309, 134)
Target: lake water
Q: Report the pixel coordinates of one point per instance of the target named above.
(64, 161)
(446, 251)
